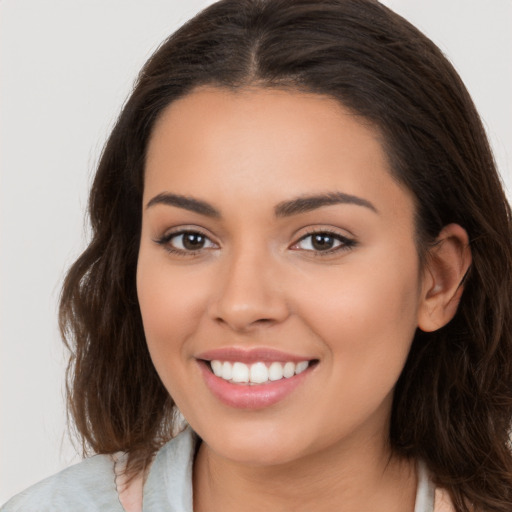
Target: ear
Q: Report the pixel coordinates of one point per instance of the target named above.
(447, 263)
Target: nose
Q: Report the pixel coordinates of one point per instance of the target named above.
(250, 292)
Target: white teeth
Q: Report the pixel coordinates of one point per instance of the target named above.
(301, 367)
(217, 368)
(240, 372)
(227, 371)
(256, 373)
(275, 371)
(289, 370)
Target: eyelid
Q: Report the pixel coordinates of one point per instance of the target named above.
(346, 242)
(164, 240)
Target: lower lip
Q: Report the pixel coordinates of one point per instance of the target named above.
(245, 396)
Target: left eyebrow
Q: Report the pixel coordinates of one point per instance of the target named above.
(305, 204)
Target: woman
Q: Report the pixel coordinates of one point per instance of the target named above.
(300, 241)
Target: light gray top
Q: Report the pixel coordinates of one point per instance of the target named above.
(89, 486)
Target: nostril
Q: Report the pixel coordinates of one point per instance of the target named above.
(264, 321)
(243, 308)
(245, 324)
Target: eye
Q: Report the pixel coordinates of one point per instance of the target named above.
(184, 242)
(323, 242)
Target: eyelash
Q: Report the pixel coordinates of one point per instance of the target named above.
(345, 243)
(166, 239)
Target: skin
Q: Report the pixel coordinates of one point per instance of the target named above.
(259, 282)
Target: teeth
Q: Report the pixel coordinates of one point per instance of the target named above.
(227, 371)
(301, 367)
(289, 370)
(217, 368)
(275, 371)
(256, 373)
(240, 372)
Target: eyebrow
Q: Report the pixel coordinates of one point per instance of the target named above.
(185, 202)
(302, 204)
(305, 204)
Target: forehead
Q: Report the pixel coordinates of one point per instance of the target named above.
(265, 142)
(271, 124)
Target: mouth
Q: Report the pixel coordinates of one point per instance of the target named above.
(258, 372)
(253, 378)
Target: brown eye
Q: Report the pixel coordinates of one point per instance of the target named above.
(186, 242)
(323, 242)
(193, 241)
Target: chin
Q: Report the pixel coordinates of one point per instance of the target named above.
(257, 443)
(259, 453)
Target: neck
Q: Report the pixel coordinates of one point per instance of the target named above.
(358, 478)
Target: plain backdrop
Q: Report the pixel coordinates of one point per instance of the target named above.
(66, 67)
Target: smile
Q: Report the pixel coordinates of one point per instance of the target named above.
(256, 384)
(253, 378)
(258, 372)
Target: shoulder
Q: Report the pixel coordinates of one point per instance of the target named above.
(430, 498)
(169, 483)
(443, 501)
(86, 486)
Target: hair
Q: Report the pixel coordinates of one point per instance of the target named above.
(453, 402)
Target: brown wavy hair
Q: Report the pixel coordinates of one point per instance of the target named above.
(453, 402)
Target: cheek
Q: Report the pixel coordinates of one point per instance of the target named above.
(365, 315)
(171, 304)
(366, 322)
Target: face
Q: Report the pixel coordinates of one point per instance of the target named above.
(277, 248)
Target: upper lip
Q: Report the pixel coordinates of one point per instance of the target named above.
(253, 355)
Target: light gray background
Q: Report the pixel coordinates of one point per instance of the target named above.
(66, 67)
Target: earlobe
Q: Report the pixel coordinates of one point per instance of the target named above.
(447, 264)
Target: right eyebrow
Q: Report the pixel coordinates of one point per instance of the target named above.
(185, 202)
